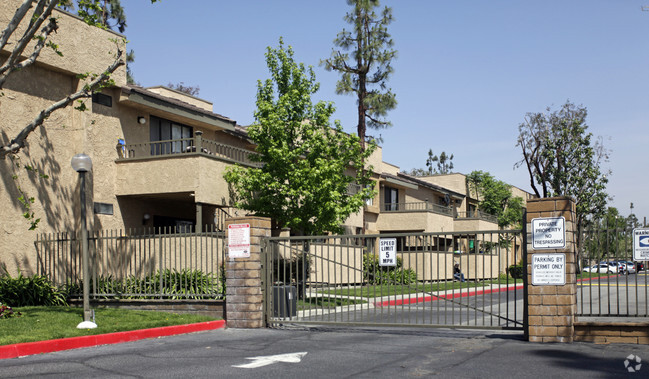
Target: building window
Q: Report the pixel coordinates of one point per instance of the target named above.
(391, 199)
(102, 99)
(168, 137)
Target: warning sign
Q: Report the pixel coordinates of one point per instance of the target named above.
(387, 252)
(548, 269)
(548, 233)
(239, 240)
(640, 244)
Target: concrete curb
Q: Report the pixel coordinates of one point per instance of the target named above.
(40, 347)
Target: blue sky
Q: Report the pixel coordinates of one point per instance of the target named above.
(467, 72)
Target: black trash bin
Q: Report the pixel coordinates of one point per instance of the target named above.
(284, 301)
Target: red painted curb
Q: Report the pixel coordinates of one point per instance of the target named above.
(31, 348)
(426, 299)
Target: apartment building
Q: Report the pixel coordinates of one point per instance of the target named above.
(158, 158)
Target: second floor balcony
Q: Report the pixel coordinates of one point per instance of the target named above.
(417, 206)
(184, 147)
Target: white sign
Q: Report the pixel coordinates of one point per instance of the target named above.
(548, 233)
(548, 269)
(387, 252)
(641, 244)
(239, 240)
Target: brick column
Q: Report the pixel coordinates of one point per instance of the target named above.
(552, 308)
(244, 297)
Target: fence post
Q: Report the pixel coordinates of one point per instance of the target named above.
(551, 308)
(244, 295)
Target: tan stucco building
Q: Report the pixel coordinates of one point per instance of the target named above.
(158, 158)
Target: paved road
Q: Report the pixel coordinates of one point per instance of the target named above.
(616, 295)
(335, 353)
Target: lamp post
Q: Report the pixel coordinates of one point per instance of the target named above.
(82, 163)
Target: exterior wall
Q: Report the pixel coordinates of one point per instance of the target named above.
(79, 54)
(414, 221)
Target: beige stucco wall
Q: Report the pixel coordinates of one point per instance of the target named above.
(414, 221)
(92, 53)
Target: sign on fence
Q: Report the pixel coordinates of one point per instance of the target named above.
(548, 269)
(548, 233)
(239, 240)
(640, 244)
(387, 252)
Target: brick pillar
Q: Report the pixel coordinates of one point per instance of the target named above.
(551, 308)
(244, 297)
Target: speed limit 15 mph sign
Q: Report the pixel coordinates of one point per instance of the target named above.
(387, 252)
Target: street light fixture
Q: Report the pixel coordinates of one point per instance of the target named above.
(82, 163)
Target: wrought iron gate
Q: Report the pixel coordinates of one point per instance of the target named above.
(468, 279)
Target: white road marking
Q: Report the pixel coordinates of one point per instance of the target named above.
(270, 359)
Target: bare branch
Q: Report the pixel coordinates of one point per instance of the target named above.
(15, 21)
(18, 142)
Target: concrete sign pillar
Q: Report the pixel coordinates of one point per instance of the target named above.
(244, 298)
(551, 253)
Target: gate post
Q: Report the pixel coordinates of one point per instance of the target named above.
(552, 307)
(244, 296)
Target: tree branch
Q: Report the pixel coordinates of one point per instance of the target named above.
(18, 142)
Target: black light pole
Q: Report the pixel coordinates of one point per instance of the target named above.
(82, 163)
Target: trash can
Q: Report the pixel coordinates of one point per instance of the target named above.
(284, 301)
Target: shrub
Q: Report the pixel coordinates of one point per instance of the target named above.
(184, 284)
(7, 312)
(516, 271)
(374, 273)
(23, 291)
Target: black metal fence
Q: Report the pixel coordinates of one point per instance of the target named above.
(163, 263)
(426, 279)
(610, 282)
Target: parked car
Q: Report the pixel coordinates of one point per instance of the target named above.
(639, 266)
(626, 267)
(603, 268)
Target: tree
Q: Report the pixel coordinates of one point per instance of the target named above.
(443, 161)
(366, 70)
(496, 198)
(41, 26)
(562, 159)
(190, 90)
(302, 183)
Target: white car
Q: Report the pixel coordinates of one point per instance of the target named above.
(602, 268)
(626, 267)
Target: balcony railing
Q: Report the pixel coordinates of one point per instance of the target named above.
(477, 215)
(419, 206)
(196, 145)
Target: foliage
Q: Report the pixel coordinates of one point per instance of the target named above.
(364, 62)
(172, 284)
(443, 162)
(190, 90)
(562, 159)
(24, 291)
(374, 273)
(516, 271)
(495, 198)
(609, 236)
(8, 312)
(305, 179)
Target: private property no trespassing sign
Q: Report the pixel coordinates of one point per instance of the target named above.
(548, 233)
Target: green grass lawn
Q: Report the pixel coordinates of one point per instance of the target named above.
(46, 323)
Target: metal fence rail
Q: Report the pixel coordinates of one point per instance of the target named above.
(340, 280)
(610, 283)
(161, 263)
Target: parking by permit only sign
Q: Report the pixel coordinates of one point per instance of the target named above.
(239, 240)
(387, 252)
(548, 269)
(640, 244)
(548, 233)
